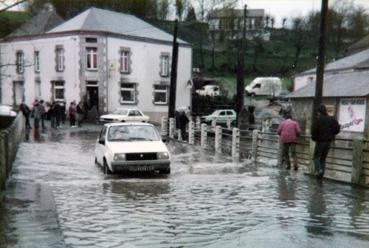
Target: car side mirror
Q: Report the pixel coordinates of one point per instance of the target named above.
(164, 139)
(102, 142)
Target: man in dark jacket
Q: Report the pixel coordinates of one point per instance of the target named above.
(323, 131)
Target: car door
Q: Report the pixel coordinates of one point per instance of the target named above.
(222, 117)
(231, 115)
(100, 148)
(131, 117)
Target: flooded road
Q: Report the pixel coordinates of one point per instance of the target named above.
(207, 201)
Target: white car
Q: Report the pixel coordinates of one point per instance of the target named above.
(7, 111)
(221, 116)
(125, 115)
(131, 147)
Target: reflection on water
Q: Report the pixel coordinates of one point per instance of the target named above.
(207, 201)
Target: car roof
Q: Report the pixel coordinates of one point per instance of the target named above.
(128, 124)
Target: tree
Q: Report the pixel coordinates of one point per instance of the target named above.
(163, 9)
(358, 22)
(181, 6)
(298, 37)
(191, 14)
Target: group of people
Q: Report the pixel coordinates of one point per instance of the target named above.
(323, 131)
(54, 111)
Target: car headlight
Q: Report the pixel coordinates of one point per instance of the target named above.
(119, 156)
(163, 155)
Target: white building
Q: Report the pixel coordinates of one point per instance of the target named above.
(105, 58)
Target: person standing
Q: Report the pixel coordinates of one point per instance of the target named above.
(36, 113)
(80, 114)
(26, 112)
(41, 106)
(323, 131)
(288, 131)
(72, 114)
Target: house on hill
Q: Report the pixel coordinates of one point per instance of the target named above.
(345, 92)
(104, 58)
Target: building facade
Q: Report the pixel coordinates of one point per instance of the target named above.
(96, 59)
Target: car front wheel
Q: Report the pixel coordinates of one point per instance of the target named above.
(106, 168)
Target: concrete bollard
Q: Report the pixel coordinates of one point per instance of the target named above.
(164, 126)
(172, 127)
(218, 139)
(213, 123)
(191, 132)
(357, 162)
(198, 123)
(204, 135)
(254, 147)
(236, 143)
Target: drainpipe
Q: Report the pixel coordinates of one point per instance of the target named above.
(107, 75)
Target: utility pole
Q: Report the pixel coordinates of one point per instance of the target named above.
(241, 70)
(173, 74)
(321, 60)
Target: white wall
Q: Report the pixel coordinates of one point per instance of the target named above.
(145, 71)
(46, 48)
(301, 81)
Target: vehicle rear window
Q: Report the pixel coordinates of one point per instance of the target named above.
(133, 133)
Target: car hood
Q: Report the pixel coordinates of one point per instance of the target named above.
(137, 146)
(112, 116)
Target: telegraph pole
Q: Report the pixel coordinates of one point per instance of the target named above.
(241, 70)
(173, 74)
(321, 59)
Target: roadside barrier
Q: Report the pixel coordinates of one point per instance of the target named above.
(347, 161)
(9, 142)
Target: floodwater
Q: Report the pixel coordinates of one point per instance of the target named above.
(207, 200)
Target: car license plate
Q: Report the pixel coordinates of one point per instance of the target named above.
(142, 168)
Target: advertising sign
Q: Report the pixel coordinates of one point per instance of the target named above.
(352, 114)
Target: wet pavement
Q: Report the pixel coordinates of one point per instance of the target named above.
(58, 197)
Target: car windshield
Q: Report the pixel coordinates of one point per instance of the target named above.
(120, 112)
(133, 133)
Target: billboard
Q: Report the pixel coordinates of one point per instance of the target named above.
(352, 114)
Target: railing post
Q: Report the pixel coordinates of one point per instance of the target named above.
(280, 154)
(236, 143)
(172, 127)
(357, 162)
(213, 123)
(254, 149)
(164, 126)
(198, 123)
(204, 135)
(191, 132)
(218, 139)
(179, 134)
(311, 155)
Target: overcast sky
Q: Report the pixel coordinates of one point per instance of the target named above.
(291, 8)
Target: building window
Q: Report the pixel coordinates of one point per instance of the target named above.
(125, 61)
(164, 65)
(37, 89)
(91, 40)
(128, 93)
(161, 94)
(20, 62)
(92, 58)
(58, 90)
(37, 61)
(59, 59)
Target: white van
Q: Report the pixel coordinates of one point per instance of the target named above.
(264, 86)
(209, 90)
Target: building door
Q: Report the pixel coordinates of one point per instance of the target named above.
(18, 92)
(92, 95)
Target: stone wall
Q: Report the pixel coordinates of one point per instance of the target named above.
(9, 142)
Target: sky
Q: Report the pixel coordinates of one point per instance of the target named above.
(292, 8)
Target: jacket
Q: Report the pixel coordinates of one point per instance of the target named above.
(288, 131)
(324, 129)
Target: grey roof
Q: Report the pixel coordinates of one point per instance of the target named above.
(349, 84)
(39, 24)
(101, 20)
(357, 60)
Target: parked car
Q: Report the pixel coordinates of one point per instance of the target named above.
(209, 90)
(6, 110)
(132, 147)
(264, 86)
(125, 115)
(221, 116)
